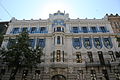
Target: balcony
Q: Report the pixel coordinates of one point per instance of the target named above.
(97, 64)
(58, 65)
(92, 64)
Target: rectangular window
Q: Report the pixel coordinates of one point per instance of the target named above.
(117, 54)
(75, 29)
(94, 29)
(101, 58)
(42, 29)
(33, 30)
(63, 56)
(117, 74)
(112, 55)
(90, 56)
(15, 30)
(103, 29)
(78, 57)
(24, 75)
(105, 74)
(37, 75)
(93, 75)
(25, 29)
(58, 40)
(41, 43)
(53, 56)
(37, 71)
(80, 75)
(58, 29)
(85, 29)
(58, 56)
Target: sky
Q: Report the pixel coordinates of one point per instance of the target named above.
(36, 9)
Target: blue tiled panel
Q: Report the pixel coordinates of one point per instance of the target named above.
(87, 43)
(97, 43)
(77, 44)
(107, 42)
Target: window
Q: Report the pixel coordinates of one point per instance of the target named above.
(101, 58)
(85, 29)
(58, 40)
(117, 54)
(15, 30)
(94, 29)
(63, 56)
(25, 29)
(97, 43)
(77, 43)
(117, 74)
(112, 55)
(93, 75)
(80, 75)
(24, 75)
(75, 29)
(59, 29)
(87, 43)
(32, 43)
(37, 75)
(53, 56)
(33, 30)
(90, 56)
(58, 56)
(43, 30)
(103, 29)
(78, 57)
(41, 43)
(107, 42)
(105, 74)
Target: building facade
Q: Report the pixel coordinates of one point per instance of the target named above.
(115, 22)
(74, 49)
(3, 28)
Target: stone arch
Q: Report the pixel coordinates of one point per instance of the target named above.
(58, 77)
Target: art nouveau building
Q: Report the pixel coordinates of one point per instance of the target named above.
(74, 49)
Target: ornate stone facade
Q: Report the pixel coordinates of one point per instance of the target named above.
(74, 49)
(115, 22)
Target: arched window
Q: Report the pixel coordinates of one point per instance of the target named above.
(97, 43)
(77, 43)
(87, 43)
